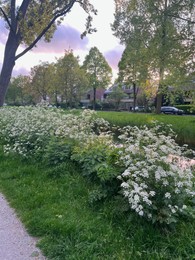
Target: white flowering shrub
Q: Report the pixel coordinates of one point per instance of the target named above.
(156, 181)
(28, 130)
(81, 128)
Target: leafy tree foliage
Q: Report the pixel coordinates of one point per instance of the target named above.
(116, 96)
(18, 92)
(28, 23)
(98, 70)
(166, 29)
(41, 83)
(60, 83)
(71, 79)
(133, 67)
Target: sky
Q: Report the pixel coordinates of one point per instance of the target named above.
(67, 36)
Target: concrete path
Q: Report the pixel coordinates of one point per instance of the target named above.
(15, 243)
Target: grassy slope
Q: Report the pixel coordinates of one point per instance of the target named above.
(184, 126)
(56, 209)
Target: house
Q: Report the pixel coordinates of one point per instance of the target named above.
(124, 103)
(88, 97)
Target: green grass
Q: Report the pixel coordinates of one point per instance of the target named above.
(55, 208)
(184, 126)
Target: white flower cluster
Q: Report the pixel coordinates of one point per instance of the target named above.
(26, 130)
(154, 182)
(83, 128)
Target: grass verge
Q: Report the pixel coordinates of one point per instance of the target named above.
(55, 208)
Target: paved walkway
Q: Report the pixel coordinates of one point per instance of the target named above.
(15, 242)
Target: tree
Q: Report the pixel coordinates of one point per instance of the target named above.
(18, 91)
(28, 23)
(71, 79)
(148, 90)
(53, 88)
(116, 96)
(166, 29)
(133, 66)
(14, 93)
(98, 71)
(41, 80)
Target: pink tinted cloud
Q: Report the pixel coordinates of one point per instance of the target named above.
(113, 57)
(65, 37)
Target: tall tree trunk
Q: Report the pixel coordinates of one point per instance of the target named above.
(71, 97)
(94, 98)
(8, 65)
(56, 98)
(159, 102)
(134, 96)
(159, 97)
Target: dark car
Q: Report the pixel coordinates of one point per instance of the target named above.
(171, 110)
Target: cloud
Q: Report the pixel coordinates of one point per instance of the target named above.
(20, 71)
(65, 37)
(3, 31)
(113, 56)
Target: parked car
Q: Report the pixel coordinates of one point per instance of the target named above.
(139, 108)
(143, 109)
(171, 110)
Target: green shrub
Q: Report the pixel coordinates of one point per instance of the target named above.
(89, 157)
(108, 106)
(57, 151)
(98, 163)
(188, 109)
